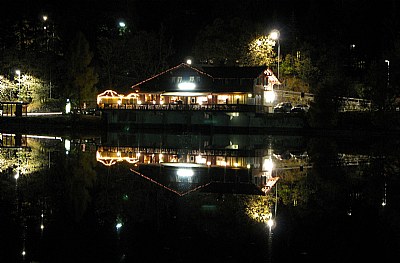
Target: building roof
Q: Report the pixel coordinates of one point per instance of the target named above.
(213, 78)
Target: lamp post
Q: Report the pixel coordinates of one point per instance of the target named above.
(388, 62)
(275, 34)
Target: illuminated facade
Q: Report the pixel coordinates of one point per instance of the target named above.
(183, 87)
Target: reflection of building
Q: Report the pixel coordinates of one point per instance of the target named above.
(245, 158)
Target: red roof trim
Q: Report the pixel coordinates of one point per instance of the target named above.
(168, 70)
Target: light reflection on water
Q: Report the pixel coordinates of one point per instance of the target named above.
(196, 197)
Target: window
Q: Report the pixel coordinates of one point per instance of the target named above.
(191, 79)
(173, 79)
(179, 80)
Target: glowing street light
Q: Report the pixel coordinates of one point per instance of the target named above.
(388, 62)
(275, 34)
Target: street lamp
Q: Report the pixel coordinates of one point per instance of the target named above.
(387, 61)
(275, 34)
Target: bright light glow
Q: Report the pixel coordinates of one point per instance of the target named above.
(23, 252)
(44, 18)
(18, 72)
(189, 62)
(183, 165)
(42, 226)
(139, 102)
(269, 96)
(122, 24)
(68, 107)
(208, 163)
(118, 225)
(249, 95)
(67, 145)
(268, 165)
(236, 164)
(274, 34)
(185, 172)
(248, 166)
(119, 102)
(200, 159)
(186, 85)
(270, 222)
(16, 176)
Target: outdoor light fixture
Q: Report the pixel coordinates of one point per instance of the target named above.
(122, 24)
(186, 86)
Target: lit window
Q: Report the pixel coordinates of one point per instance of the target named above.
(173, 79)
(191, 78)
(179, 80)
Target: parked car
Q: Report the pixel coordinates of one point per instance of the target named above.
(284, 107)
(300, 108)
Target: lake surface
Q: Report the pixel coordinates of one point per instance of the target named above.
(187, 197)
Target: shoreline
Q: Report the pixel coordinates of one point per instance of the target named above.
(96, 125)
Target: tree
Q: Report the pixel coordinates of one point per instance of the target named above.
(82, 77)
(124, 59)
(224, 42)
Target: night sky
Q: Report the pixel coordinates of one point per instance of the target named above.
(355, 21)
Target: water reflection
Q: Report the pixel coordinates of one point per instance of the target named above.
(123, 197)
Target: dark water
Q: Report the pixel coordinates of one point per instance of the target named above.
(147, 197)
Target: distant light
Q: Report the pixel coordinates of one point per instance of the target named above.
(387, 61)
(41, 226)
(18, 72)
(118, 226)
(208, 163)
(185, 172)
(16, 176)
(189, 62)
(44, 18)
(186, 85)
(23, 252)
(122, 24)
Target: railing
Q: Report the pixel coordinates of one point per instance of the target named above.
(182, 107)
